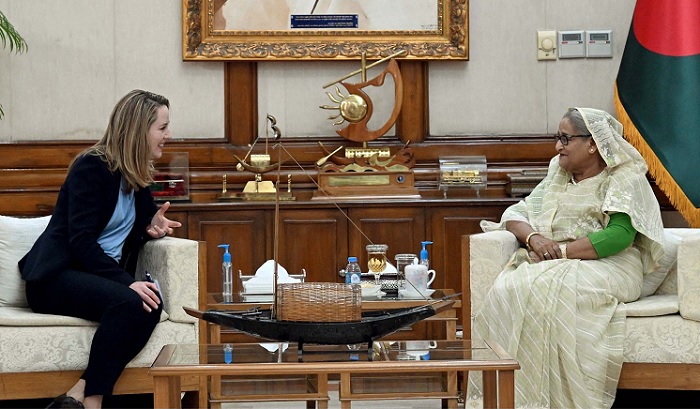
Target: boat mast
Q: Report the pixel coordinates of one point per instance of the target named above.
(275, 245)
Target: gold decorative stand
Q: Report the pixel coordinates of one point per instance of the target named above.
(258, 189)
(365, 172)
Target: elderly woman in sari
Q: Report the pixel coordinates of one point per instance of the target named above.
(590, 231)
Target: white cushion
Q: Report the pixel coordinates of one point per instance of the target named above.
(653, 280)
(653, 306)
(24, 317)
(65, 348)
(17, 236)
(665, 339)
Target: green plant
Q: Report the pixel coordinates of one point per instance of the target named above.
(10, 36)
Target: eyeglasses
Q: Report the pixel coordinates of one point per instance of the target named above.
(564, 138)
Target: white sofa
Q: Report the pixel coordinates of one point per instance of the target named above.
(662, 339)
(43, 355)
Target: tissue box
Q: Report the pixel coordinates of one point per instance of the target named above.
(261, 283)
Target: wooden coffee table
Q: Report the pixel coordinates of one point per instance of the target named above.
(392, 370)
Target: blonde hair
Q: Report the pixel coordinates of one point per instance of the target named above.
(124, 146)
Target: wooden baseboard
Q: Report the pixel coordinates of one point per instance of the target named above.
(660, 376)
(35, 385)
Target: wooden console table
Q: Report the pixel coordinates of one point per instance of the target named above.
(280, 372)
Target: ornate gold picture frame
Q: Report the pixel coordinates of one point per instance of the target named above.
(324, 29)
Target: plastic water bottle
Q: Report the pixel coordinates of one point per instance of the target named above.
(352, 271)
(228, 353)
(227, 276)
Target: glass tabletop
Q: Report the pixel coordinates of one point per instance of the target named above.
(281, 352)
(240, 298)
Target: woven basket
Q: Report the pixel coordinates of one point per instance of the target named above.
(319, 302)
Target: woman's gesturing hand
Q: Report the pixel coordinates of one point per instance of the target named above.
(160, 225)
(148, 293)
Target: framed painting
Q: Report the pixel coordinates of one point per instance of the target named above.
(324, 29)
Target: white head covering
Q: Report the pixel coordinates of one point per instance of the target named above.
(607, 133)
(629, 190)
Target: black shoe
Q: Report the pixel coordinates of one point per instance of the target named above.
(65, 402)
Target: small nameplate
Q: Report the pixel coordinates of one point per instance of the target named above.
(359, 180)
(324, 21)
(367, 152)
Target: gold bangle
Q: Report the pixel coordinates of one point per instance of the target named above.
(562, 248)
(527, 239)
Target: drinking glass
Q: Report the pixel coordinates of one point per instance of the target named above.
(376, 259)
(403, 260)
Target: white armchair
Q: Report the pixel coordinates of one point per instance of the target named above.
(42, 355)
(663, 328)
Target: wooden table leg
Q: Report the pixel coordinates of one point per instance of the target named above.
(463, 384)
(203, 392)
(323, 390)
(489, 389)
(452, 390)
(166, 392)
(344, 391)
(451, 330)
(317, 384)
(214, 382)
(506, 389)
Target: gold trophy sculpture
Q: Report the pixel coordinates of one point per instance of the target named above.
(365, 172)
(259, 189)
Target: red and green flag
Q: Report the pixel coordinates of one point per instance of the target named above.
(657, 97)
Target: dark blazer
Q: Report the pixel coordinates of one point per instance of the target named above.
(84, 206)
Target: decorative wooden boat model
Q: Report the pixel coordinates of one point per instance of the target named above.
(372, 326)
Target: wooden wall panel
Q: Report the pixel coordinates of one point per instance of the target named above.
(245, 231)
(412, 125)
(315, 240)
(402, 229)
(241, 94)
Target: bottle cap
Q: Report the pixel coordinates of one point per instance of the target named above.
(227, 255)
(352, 259)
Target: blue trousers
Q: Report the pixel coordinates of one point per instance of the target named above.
(124, 325)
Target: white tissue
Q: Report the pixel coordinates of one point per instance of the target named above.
(389, 269)
(262, 282)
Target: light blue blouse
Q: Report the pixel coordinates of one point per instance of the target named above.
(114, 235)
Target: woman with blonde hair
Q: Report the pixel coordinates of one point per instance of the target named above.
(83, 264)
